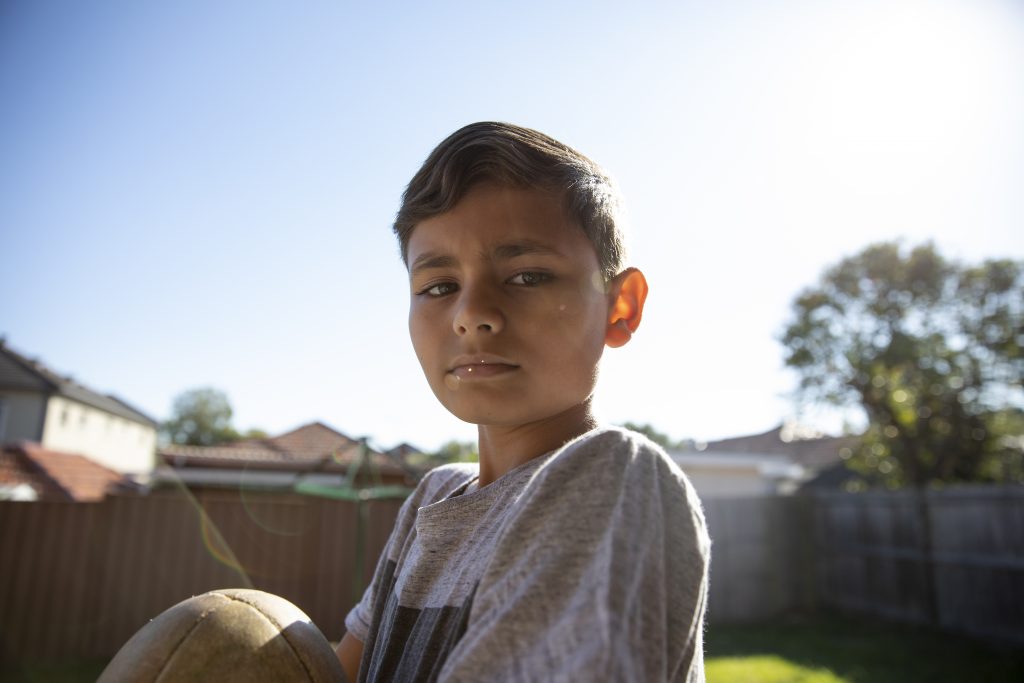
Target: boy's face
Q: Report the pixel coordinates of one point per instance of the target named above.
(508, 310)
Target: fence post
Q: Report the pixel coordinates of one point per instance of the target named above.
(809, 551)
(924, 518)
(362, 520)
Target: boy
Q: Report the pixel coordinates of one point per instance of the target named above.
(572, 553)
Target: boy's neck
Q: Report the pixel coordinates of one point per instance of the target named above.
(504, 448)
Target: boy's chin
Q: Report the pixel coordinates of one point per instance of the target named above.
(511, 419)
(484, 419)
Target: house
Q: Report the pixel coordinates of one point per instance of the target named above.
(30, 472)
(413, 460)
(313, 454)
(61, 415)
(778, 461)
(733, 475)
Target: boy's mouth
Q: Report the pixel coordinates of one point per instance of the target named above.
(470, 367)
(481, 370)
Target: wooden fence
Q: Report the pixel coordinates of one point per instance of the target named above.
(953, 558)
(77, 580)
(761, 563)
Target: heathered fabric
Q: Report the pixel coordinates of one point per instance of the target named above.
(589, 563)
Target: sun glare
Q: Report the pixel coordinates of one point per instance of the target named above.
(906, 114)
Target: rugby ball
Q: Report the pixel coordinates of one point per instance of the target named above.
(227, 635)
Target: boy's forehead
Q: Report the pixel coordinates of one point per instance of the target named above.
(435, 247)
(504, 221)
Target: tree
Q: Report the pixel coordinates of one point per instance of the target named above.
(660, 438)
(931, 350)
(455, 451)
(200, 417)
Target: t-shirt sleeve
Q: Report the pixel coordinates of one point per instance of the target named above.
(600, 575)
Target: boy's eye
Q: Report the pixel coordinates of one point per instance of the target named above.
(529, 278)
(440, 289)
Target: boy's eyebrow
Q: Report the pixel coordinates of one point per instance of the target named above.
(502, 252)
(509, 251)
(431, 259)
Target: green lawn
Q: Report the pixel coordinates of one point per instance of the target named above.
(849, 651)
(790, 651)
(52, 672)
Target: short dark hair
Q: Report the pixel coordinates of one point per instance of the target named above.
(520, 157)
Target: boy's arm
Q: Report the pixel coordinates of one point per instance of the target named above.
(350, 651)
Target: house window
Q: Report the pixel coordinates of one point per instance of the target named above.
(3, 420)
(64, 415)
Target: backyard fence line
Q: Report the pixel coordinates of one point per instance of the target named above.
(762, 564)
(78, 579)
(950, 558)
(880, 553)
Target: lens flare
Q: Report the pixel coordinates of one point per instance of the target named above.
(216, 545)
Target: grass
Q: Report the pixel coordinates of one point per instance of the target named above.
(829, 650)
(834, 650)
(767, 669)
(83, 671)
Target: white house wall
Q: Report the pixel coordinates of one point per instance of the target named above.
(711, 482)
(718, 475)
(22, 415)
(120, 444)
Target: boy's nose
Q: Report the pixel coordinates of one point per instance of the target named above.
(477, 316)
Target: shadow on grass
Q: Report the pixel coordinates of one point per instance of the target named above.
(869, 651)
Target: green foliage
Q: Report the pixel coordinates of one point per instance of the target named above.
(455, 451)
(663, 440)
(200, 417)
(931, 350)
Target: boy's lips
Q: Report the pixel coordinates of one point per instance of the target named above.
(469, 367)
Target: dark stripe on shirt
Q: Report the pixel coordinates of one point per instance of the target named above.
(408, 644)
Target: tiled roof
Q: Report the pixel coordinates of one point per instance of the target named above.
(55, 475)
(314, 446)
(403, 450)
(814, 451)
(20, 372)
(16, 470)
(402, 454)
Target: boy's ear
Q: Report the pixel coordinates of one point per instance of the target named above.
(626, 295)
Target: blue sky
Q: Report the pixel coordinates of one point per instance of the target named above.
(200, 194)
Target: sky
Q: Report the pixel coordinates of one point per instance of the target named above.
(200, 194)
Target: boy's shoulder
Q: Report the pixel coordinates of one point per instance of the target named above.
(616, 449)
(443, 480)
(610, 464)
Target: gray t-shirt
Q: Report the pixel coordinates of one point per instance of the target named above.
(589, 563)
